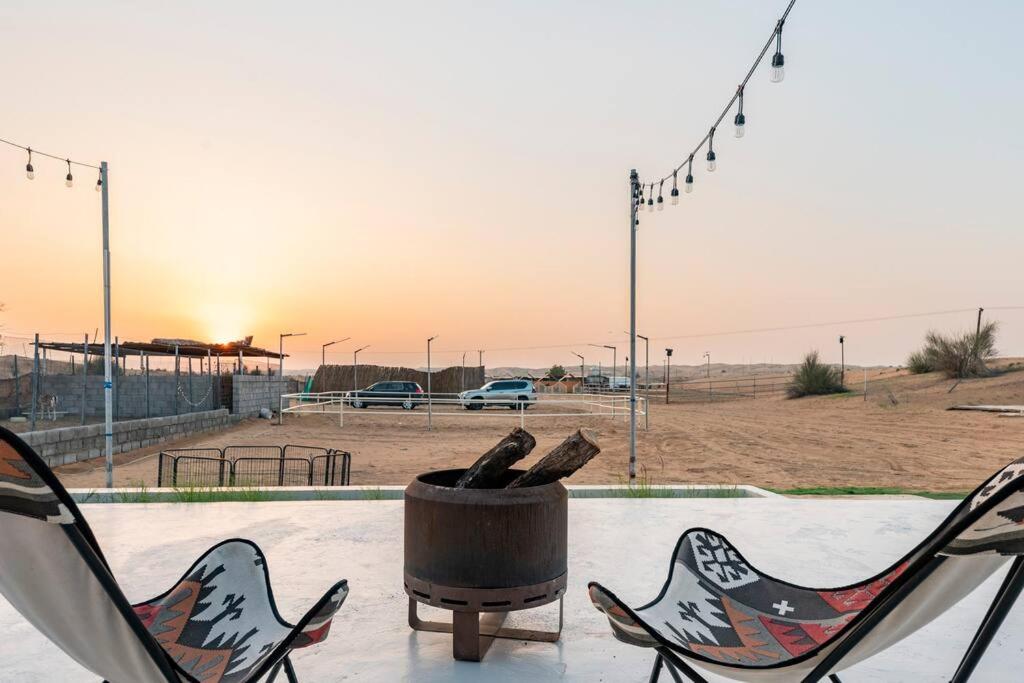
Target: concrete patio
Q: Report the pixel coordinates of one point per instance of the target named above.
(623, 543)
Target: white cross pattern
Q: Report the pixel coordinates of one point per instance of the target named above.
(783, 608)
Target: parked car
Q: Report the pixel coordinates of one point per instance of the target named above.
(513, 393)
(405, 394)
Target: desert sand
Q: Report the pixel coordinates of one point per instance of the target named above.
(901, 436)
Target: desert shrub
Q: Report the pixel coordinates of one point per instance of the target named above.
(919, 363)
(960, 355)
(814, 378)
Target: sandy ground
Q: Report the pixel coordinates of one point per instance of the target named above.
(901, 436)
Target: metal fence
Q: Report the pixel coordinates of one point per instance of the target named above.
(257, 466)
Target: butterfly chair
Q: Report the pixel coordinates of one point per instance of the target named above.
(218, 624)
(718, 611)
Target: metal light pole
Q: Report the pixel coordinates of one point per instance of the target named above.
(634, 196)
(430, 405)
(668, 372)
(707, 354)
(480, 357)
(615, 360)
(280, 350)
(842, 360)
(323, 349)
(108, 382)
(355, 366)
(582, 369)
(463, 383)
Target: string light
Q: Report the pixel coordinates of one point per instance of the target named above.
(740, 120)
(778, 61)
(30, 170)
(99, 181)
(650, 198)
(712, 159)
(675, 188)
(661, 200)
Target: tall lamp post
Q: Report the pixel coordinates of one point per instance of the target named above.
(668, 372)
(707, 355)
(615, 359)
(108, 382)
(280, 349)
(463, 383)
(323, 349)
(430, 405)
(842, 361)
(582, 368)
(355, 366)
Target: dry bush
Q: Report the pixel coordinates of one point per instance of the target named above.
(814, 378)
(959, 355)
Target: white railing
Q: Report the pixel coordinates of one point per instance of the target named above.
(540, 405)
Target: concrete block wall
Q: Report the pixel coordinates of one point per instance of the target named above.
(252, 392)
(71, 444)
(130, 394)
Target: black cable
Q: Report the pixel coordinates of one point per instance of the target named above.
(51, 156)
(776, 35)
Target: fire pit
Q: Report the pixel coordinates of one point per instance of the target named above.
(484, 551)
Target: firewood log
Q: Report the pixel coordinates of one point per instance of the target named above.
(488, 470)
(566, 458)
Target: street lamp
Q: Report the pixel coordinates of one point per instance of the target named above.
(355, 366)
(280, 342)
(323, 349)
(842, 356)
(582, 369)
(430, 406)
(668, 372)
(463, 384)
(707, 354)
(647, 379)
(615, 359)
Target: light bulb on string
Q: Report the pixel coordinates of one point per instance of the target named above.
(712, 159)
(69, 181)
(99, 180)
(675, 188)
(661, 199)
(650, 197)
(689, 175)
(740, 120)
(30, 172)
(778, 61)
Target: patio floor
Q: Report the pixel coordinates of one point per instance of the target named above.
(623, 543)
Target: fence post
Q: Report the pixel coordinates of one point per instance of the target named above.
(35, 381)
(17, 388)
(280, 470)
(85, 373)
(280, 409)
(146, 370)
(177, 376)
(209, 381)
(117, 381)
(160, 470)
(755, 387)
(191, 397)
(174, 473)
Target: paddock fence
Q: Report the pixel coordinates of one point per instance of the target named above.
(256, 466)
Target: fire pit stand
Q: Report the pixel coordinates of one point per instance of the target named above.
(482, 553)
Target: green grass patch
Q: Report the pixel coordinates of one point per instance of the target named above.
(869, 491)
(372, 494)
(206, 494)
(139, 495)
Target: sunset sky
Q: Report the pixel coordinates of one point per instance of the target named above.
(391, 171)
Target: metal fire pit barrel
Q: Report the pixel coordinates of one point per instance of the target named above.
(484, 550)
(482, 553)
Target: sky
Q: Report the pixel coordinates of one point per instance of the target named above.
(396, 170)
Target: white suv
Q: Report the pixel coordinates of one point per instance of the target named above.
(513, 393)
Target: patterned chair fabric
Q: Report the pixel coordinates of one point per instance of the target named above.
(218, 624)
(718, 609)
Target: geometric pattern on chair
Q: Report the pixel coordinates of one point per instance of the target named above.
(729, 612)
(717, 609)
(218, 624)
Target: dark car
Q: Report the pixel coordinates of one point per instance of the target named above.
(405, 394)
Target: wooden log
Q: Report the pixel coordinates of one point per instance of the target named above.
(487, 471)
(566, 458)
